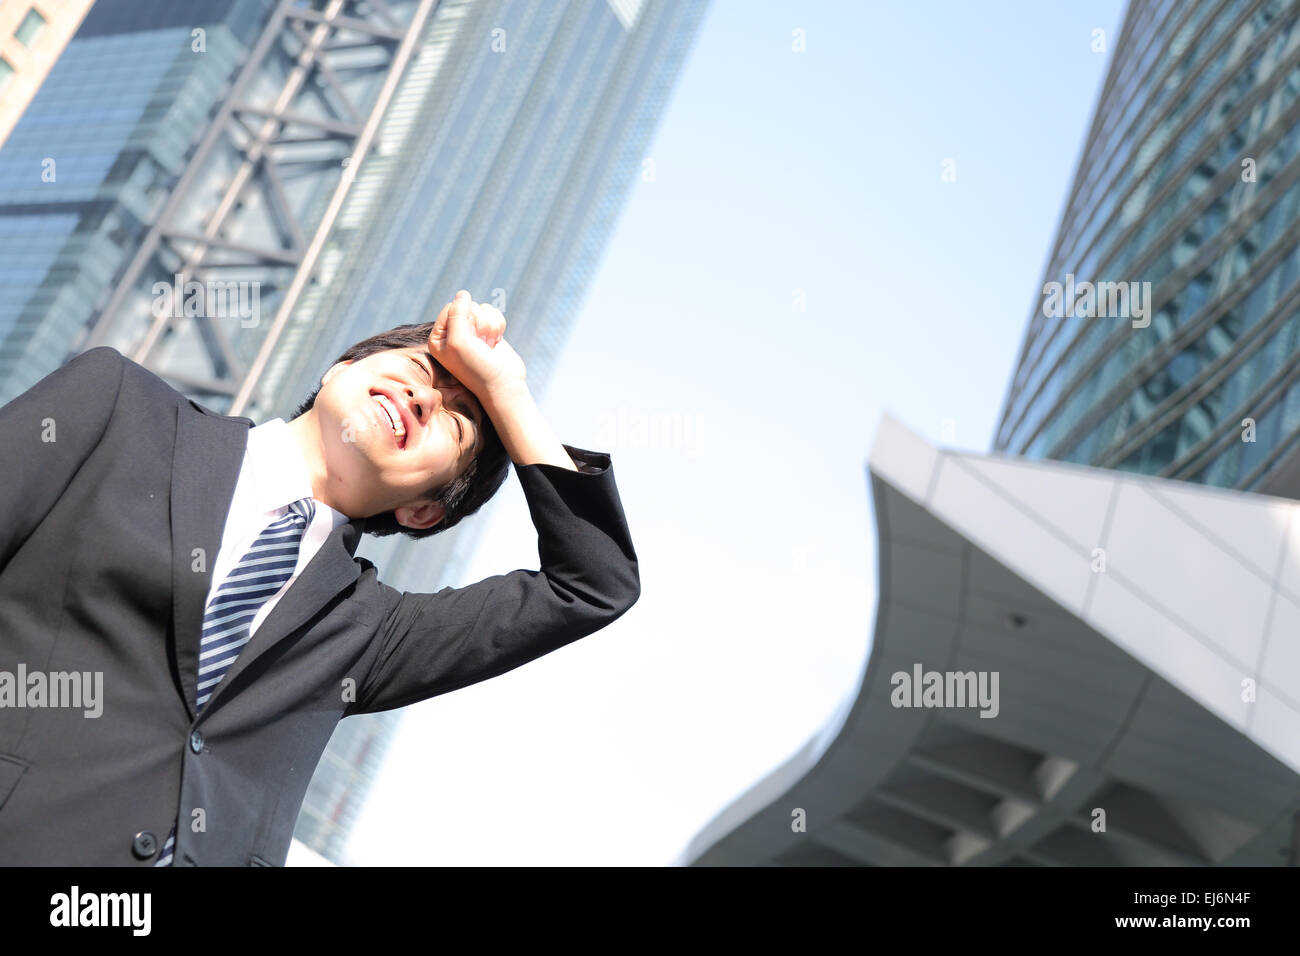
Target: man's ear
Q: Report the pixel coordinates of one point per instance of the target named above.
(420, 516)
(334, 370)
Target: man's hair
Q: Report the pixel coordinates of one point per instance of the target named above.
(469, 490)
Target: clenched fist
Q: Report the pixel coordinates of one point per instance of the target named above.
(468, 339)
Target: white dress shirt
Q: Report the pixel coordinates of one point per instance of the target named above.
(272, 477)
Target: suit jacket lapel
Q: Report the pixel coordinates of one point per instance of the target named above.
(205, 469)
(208, 454)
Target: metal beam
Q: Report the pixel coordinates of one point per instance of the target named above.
(300, 279)
(251, 126)
(347, 23)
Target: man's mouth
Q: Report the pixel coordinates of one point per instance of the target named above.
(394, 418)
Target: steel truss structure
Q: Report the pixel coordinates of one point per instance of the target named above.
(258, 196)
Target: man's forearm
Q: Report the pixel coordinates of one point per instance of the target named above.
(527, 437)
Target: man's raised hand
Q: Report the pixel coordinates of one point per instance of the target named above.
(468, 339)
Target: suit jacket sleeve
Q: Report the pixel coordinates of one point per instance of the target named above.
(434, 643)
(47, 433)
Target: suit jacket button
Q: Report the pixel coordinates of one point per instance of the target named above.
(196, 742)
(144, 845)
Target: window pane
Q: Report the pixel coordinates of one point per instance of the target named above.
(30, 28)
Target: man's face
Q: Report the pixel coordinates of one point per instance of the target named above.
(374, 464)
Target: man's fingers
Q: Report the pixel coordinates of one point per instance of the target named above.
(489, 323)
(448, 324)
(439, 325)
(462, 321)
(439, 332)
(482, 322)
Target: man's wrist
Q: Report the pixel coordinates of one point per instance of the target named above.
(503, 397)
(527, 437)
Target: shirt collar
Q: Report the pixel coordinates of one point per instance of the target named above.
(279, 473)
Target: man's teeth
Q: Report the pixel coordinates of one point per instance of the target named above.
(395, 417)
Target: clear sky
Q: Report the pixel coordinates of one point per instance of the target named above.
(740, 424)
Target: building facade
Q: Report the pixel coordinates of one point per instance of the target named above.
(93, 157)
(1187, 193)
(1071, 666)
(32, 35)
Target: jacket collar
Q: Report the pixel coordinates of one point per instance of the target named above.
(209, 452)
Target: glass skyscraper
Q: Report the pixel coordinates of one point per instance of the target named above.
(32, 35)
(93, 156)
(1189, 181)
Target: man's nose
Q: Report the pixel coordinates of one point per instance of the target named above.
(426, 401)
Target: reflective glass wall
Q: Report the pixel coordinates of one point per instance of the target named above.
(1186, 192)
(92, 159)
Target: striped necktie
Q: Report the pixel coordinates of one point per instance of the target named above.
(259, 576)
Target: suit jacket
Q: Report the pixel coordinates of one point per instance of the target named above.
(107, 536)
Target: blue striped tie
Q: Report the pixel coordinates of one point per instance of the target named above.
(258, 577)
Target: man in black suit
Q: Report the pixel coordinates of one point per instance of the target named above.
(201, 575)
